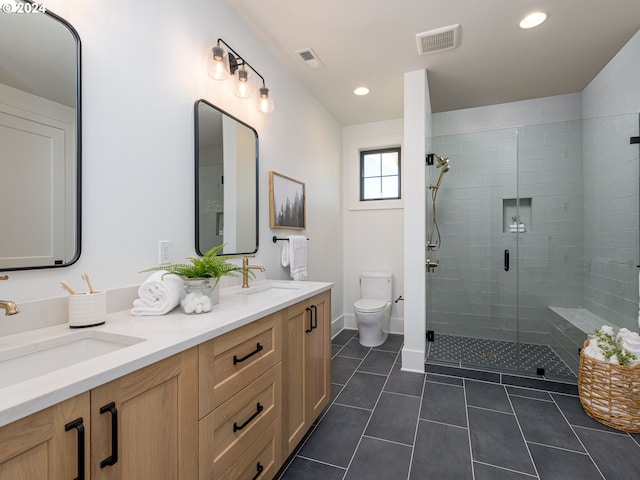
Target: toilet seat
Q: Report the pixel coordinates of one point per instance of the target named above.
(370, 305)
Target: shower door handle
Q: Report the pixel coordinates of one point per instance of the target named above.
(506, 260)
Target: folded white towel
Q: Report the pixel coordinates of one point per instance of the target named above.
(298, 257)
(159, 294)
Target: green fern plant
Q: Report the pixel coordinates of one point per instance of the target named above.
(210, 265)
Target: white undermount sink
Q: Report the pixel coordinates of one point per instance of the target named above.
(24, 362)
(269, 290)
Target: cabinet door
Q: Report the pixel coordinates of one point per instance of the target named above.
(46, 444)
(294, 414)
(306, 366)
(318, 356)
(156, 425)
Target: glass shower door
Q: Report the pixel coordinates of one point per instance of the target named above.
(472, 293)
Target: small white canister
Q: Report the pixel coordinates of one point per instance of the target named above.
(87, 309)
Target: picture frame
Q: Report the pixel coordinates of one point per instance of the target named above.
(287, 202)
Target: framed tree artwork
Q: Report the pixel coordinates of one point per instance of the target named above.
(287, 204)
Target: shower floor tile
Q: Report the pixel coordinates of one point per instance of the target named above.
(498, 354)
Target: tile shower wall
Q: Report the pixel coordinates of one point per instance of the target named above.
(551, 252)
(472, 293)
(611, 218)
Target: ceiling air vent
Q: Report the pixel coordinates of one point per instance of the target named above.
(310, 58)
(438, 39)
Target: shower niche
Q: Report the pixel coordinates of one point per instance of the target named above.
(516, 215)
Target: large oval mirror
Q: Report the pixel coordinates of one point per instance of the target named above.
(226, 156)
(39, 139)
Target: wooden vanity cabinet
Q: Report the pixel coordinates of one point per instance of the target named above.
(240, 402)
(306, 362)
(233, 407)
(153, 415)
(51, 444)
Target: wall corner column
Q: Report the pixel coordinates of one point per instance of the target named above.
(417, 124)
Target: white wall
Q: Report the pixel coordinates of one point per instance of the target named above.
(373, 237)
(616, 89)
(143, 67)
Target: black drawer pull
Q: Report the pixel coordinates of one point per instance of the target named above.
(259, 469)
(259, 348)
(315, 316)
(113, 458)
(77, 424)
(310, 320)
(258, 411)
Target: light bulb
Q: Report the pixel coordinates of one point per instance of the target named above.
(242, 83)
(265, 102)
(218, 64)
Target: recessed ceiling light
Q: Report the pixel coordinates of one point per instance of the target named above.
(533, 20)
(361, 91)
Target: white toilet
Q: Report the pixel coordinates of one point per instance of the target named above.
(373, 310)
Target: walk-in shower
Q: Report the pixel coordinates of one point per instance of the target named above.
(560, 201)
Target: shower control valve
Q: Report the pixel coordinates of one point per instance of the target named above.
(431, 265)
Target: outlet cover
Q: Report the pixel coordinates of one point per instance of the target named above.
(164, 252)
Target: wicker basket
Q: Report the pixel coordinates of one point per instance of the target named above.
(610, 393)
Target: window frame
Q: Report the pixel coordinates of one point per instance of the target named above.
(363, 153)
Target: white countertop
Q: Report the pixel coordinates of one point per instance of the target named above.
(165, 335)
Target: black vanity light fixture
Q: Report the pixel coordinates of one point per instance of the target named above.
(227, 62)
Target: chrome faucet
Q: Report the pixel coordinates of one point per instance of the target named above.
(10, 308)
(245, 270)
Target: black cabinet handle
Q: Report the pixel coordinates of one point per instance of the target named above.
(259, 469)
(237, 427)
(314, 317)
(310, 320)
(77, 424)
(113, 458)
(506, 260)
(259, 348)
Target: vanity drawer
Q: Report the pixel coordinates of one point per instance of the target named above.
(232, 427)
(261, 460)
(232, 361)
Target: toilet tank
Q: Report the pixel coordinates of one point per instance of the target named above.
(378, 285)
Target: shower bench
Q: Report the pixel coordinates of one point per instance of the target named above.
(571, 326)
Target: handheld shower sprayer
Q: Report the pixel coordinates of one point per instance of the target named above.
(444, 164)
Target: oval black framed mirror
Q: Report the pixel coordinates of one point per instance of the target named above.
(40, 140)
(226, 182)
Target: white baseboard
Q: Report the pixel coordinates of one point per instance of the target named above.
(337, 325)
(412, 360)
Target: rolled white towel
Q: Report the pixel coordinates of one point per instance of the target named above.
(594, 352)
(158, 294)
(606, 329)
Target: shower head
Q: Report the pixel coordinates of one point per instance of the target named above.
(441, 161)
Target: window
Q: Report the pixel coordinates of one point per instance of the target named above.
(380, 174)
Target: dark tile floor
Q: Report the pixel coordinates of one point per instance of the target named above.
(387, 424)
